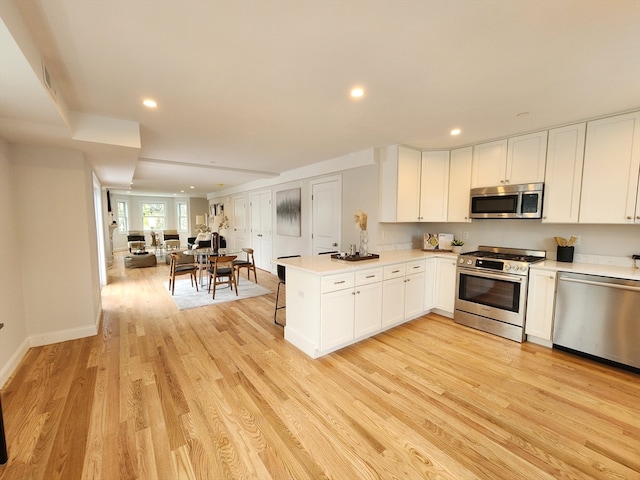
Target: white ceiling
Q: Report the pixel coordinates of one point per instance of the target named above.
(250, 89)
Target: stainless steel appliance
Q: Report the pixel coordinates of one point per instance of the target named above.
(491, 289)
(598, 316)
(507, 201)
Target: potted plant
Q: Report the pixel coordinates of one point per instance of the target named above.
(456, 245)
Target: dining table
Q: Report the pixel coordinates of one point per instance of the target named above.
(203, 255)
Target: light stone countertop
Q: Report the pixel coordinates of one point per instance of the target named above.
(325, 265)
(628, 273)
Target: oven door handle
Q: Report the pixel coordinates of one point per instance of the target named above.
(495, 276)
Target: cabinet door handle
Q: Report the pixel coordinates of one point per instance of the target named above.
(417, 266)
(338, 283)
(370, 276)
(395, 271)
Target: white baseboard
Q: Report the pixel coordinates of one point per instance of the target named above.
(13, 362)
(63, 335)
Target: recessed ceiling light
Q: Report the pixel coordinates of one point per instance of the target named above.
(221, 184)
(192, 187)
(150, 103)
(357, 92)
(455, 131)
(181, 191)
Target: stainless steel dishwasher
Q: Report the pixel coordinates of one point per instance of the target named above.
(598, 316)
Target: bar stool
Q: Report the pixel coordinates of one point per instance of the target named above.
(282, 281)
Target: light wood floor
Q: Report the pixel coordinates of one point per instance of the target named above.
(216, 393)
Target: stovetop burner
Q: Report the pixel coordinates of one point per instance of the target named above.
(506, 256)
(512, 260)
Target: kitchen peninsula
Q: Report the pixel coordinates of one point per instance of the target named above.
(332, 303)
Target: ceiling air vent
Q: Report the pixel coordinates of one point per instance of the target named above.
(48, 81)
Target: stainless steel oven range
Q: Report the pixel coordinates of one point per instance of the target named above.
(491, 289)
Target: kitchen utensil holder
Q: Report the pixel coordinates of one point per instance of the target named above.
(565, 254)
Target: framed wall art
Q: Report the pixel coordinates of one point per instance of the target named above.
(288, 212)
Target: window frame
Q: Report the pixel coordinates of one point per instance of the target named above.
(123, 221)
(180, 217)
(163, 218)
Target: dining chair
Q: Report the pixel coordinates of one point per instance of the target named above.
(176, 269)
(221, 267)
(282, 277)
(249, 264)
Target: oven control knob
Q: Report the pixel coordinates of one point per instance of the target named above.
(523, 268)
(469, 262)
(507, 267)
(461, 261)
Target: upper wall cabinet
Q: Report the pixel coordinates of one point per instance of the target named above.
(413, 185)
(434, 186)
(563, 176)
(459, 184)
(516, 160)
(399, 184)
(611, 171)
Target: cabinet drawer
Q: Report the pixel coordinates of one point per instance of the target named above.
(331, 283)
(371, 275)
(394, 271)
(415, 266)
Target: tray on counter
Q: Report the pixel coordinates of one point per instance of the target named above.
(355, 258)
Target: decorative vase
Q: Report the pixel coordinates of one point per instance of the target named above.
(456, 249)
(363, 251)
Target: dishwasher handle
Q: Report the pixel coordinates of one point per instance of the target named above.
(601, 284)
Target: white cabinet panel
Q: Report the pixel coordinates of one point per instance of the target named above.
(611, 170)
(414, 295)
(399, 184)
(429, 284)
(540, 304)
(434, 186)
(526, 156)
(512, 161)
(445, 284)
(459, 184)
(563, 175)
(336, 323)
(489, 160)
(392, 301)
(368, 311)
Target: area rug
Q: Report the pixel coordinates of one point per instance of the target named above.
(186, 297)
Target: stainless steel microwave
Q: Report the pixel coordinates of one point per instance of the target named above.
(507, 201)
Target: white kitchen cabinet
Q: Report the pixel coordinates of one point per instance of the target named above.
(350, 307)
(393, 295)
(399, 184)
(489, 164)
(414, 294)
(336, 322)
(445, 284)
(540, 304)
(413, 185)
(368, 302)
(429, 284)
(611, 171)
(511, 161)
(459, 184)
(403, 292)
(526, 155)
(434, 186)
(563, 174)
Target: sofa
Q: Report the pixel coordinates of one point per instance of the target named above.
(135, 240)
(207, 240)
(171, 239)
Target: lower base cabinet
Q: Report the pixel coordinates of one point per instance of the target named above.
(540, 304)
(402, 292)
(445, 292)
(350, 307)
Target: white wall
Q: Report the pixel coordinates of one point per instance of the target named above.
(55, 287)
(596, 240)
(13, 337)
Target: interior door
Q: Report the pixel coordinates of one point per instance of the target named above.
(261, 225)
(326, 200)
(239, 223)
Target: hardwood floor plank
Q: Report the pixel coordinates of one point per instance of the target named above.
(216, 393)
